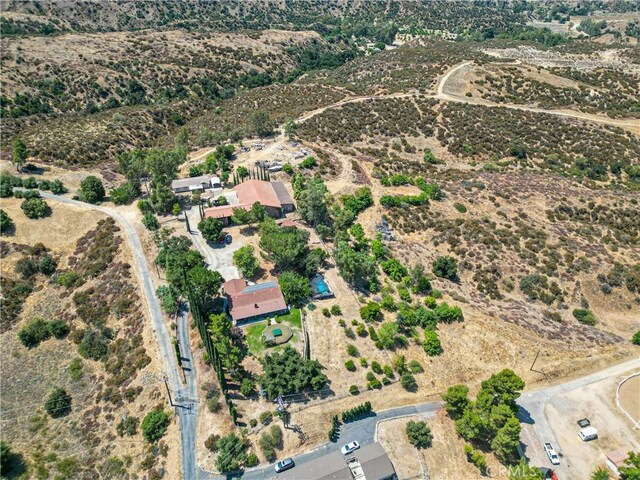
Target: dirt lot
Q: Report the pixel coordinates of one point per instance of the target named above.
(596, 402)
(444, 460)
(630, 397)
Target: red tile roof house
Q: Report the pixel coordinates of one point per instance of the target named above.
(273, 196)
(248, 303)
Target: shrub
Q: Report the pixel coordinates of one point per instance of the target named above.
(266, 418)
(376, 367)
(408, 381)
(58, 328)
(27, 267)
(375, 383)
(352, 350)
(447, 314)
(128, 426)
(76, 369)
(404, 294)
(361, 330)
(326, 312)
(253, 423)
(388, 371)
(431, 344)
(476, 457)
(584, 316)
(6, 224)
(69, 279)
(335, 424)
(394, 269)
(373, 334)
(35, 208)
(308, 162)
(58, 403)
(350, 365)
(94, 344)
(213, 404)
(211, 442)
(415, 367)
(445, 267)
(155, 425)
(252, 460)
(460, 207)
(47, 265)
(636, 338)
(356, 412)
(247, 387)
(123, 195)
(363, 362)
(354, 390)
(336, 310)
(419, 434)
(35, 331)
(370, 312)
(91, 190)
(57, 187)
(150, 221)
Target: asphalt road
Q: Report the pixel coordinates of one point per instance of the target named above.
(187, 393)
(362, 431)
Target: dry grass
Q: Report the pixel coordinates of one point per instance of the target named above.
(444, 459)
(28, 375)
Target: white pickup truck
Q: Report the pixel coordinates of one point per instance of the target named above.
(551, 453)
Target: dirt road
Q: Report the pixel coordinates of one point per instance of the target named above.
(446, 93)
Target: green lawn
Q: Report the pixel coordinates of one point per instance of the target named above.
(293, 317)
(254, 337)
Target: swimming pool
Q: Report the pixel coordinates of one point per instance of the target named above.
(319, 287)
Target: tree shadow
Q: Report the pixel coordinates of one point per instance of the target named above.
(15, 466)
(524, 416)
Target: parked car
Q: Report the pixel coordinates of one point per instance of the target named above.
(350, 447)
(285, 464)
(551, 453)
(588, 433)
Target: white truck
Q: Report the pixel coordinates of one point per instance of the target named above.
(551, 453)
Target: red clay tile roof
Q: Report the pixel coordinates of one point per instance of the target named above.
(234, 286)
(287, 223)
(253, 300)
(252, 191)
(223, 211)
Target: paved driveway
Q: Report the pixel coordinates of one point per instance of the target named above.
(363, 431)
(217, 257)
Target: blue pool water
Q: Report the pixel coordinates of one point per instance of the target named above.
(319, 286)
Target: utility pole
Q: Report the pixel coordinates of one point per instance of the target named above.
(166, 384)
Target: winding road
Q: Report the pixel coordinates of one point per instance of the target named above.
(185, 400)
(446, 95)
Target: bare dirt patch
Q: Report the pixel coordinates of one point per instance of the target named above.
(444, 459)
(597, 402)
(630, 397)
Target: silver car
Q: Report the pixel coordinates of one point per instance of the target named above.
(285, 464)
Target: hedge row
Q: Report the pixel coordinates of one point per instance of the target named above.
(356, 412)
